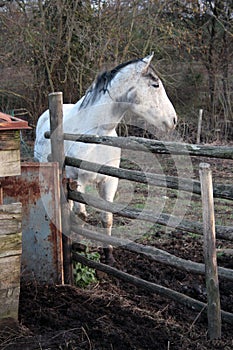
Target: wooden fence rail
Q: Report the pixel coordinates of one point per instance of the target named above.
(154, 146)
(155, 254)
(172, 148)
(223, 232)
(181, 184)
(151, 287)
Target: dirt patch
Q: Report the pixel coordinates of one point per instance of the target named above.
(116, 315)
(113, 315)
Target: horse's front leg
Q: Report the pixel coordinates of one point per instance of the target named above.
(107, 220)
(78, 210)
(107, 189)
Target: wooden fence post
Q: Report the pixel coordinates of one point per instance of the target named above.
(209, 245)
(57, 147)
(199, 125)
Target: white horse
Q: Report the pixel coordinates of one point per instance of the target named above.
(132, 86)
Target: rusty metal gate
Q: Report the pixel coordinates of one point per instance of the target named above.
(37, 188)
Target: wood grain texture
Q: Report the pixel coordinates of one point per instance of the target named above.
(210, 255)
(10, 162)
(10, 259)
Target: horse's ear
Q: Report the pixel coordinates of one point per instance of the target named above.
(147, 60)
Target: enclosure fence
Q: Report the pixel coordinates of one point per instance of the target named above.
(219, 191)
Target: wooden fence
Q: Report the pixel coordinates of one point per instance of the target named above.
(220, 191)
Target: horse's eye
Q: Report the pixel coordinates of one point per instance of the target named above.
(155, 85)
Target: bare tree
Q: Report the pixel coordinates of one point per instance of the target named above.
(49, 45)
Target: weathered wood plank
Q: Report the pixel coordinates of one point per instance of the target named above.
(224, 232)
(154, 146)
(10, 243)
(14, 208)
(156, 254)
(10, 163)
(14, 215)
(10, 259)
(9, 308)
(9, 140)
(210, 255)
(10, 219)
(57, 146)
(11, 253)
(10, 153)
(181, 184)
(9, 144)
(10, 271)
(9, 226)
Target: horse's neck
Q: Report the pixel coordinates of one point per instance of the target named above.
(101, 118)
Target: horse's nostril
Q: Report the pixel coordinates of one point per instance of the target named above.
(174, 120)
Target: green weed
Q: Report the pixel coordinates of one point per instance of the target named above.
(84, 275)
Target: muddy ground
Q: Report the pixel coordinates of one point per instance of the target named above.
(115, 315)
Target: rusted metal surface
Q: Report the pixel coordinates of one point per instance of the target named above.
(7, 122)
(38, 190)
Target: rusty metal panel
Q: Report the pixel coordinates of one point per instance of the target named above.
(7, 122)
(38, 190)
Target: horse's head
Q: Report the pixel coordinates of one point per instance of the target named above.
(147, 97)
(134, 86)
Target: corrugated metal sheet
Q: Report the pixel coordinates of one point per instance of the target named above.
(38, 190)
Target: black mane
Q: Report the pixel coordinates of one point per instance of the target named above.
(102, 82)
